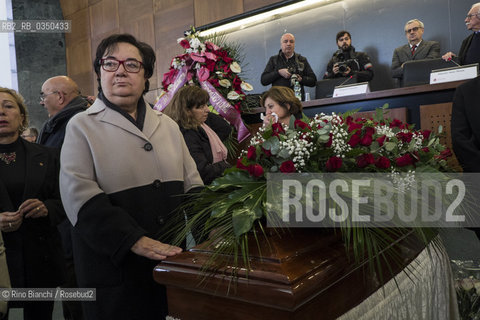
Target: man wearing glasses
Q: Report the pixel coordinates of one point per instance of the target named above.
(470, 49)
(415, 49)
(61, 98)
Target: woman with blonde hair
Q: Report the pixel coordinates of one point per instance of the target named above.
(30, 208)
(204, 132)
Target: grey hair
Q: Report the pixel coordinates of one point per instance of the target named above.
(415, 20)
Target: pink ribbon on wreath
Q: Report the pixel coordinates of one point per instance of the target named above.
(180, 80)
(226, 110)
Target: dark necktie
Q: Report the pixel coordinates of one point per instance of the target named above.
(413, 49)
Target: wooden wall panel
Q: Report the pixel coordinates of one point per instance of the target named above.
(104, 18)
(79, 64)
(129, 10)
(69, 7)
(170, 23)
(249, 5)
(208, 11)
(157, 22)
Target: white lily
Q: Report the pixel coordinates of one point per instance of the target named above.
(235, 67)
(225, 83)
(233, 95)
(246, 86)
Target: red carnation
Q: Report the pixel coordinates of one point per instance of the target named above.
(365, 160)
(255, 170)
(251, 153)
(404, 160)
(185, 44)
(333, 164)
(287, 166)
(382, 163)
(354, 140)
(277, 129)
(300, 124)
(426, 150)
(381, 140)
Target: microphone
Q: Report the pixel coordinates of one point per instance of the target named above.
(341, 84)
(450, 59)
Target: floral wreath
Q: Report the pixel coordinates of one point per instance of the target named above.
(213, 67)
(235, 204)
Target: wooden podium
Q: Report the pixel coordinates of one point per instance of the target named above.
(301, 274)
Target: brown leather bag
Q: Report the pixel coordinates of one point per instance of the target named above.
(4, 276)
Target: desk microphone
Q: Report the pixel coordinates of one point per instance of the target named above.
(450, 59)
(341, 84)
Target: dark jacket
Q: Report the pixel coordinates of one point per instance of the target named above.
(462, 54)
(53, 131)
(425, 50)
(359, 63)
(465, 126)
(296, 64)
(201, 151)
(34, 252)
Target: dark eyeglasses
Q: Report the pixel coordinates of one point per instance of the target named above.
(44, 95)
(414, 29)
(112, 65)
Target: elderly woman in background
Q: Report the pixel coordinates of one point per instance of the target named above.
(281, 106)
(124, 167)
(203, 131)
(30, 208)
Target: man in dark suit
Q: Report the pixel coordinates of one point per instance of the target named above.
(465, 129)
(470, 50)
(416, 49)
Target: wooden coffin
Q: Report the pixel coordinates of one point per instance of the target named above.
(301, 274)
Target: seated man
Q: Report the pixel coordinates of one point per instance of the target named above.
(346, 62)
(281, 67)
(416, 49)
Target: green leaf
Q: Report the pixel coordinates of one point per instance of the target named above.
(231, 179)
(390, 146)
(242, 221)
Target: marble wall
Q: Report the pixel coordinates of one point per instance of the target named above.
(39, 55)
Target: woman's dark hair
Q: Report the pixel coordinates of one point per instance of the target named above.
(187, 98)
(110, 44)
(341, 33)
(285, 97)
